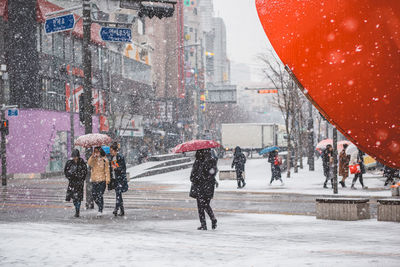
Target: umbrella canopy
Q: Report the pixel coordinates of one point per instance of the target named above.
(91, 140)
(322, 145)
(195, 145)
(352, 150)
(268, 149)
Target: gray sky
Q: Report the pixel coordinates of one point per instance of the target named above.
(245, 35)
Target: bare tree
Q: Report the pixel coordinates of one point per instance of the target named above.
(286, 98)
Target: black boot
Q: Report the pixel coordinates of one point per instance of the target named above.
(203, 227)
(76, 214)
(122, 213)
(115, 212)
(325, 185)
(214, 224)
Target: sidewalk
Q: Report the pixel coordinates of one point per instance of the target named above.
(240, 240)
(258, 175)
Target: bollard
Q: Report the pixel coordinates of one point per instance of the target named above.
(395, 190)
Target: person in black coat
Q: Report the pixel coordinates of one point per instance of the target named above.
(75, 171)
(326, 159)
(203, 185)
(275, 161)
(390, 175)
(238, 162)
(360, 161)
(120, 182)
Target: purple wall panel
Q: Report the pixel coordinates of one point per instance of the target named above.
(32, 136)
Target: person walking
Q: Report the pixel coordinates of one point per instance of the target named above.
(390, 174)
(120, 181)
(75, 171)
(326, 159)
(203, 185)
(344, 161)
(359, 160)
(239, 160)
(276, 162)
(100, 176)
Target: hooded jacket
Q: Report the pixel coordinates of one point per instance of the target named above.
(100, 169)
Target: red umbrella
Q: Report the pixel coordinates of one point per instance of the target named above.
(90, 140)
(195, 145)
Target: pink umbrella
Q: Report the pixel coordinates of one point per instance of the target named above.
(322, 145)
(91, 140)
(195, 145)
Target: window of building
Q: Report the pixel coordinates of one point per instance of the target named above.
(47, 43)
(141, 27)
(58, 45)
(68, 49)
(191, 29)
(38, 38)
(78, 51)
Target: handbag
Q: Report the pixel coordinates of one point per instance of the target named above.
(354, 169)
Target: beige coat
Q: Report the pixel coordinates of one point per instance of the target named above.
(100, 169)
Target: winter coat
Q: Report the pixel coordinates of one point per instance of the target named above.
(275, 168)
(100, 169)
(119, 167)
(326, 154)
(344, 160)
(390, 172)
(239, 160)
(203, 178)
(76, 175)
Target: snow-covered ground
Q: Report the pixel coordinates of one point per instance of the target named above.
(258, 175)
(240, 240)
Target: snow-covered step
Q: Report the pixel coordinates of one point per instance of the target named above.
(162, 170)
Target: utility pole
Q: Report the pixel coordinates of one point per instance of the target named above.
(310, 138)
(335, 161)
(87, 87)
(3, 133)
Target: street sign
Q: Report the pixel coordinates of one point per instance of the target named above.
(59, 24)
(110, 34)
(13, 112)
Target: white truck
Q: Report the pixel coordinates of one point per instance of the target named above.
(254, 136)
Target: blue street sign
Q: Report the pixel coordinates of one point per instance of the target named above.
(13, 112)
(59, 24)
(116, 34)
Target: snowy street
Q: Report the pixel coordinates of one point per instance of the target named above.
(241, 240)
(257, 225)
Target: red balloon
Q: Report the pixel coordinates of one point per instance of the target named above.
(346, 54)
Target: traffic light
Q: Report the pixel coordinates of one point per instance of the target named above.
(4, 126)
(203, 102)
(269, 91)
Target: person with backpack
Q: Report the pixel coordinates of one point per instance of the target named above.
(239, 160)
(276, 162)
(100, 176)
(120, 182)
(75, 171)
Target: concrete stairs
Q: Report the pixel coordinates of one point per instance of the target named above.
(161, 164)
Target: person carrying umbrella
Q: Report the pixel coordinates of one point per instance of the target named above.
(238, 162)
(121, 183)
(327, 160)
(75, 171)
(203, 185)
(275, 161)
(100, 176)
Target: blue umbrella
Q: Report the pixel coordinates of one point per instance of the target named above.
(268, 149)
(106, 149)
